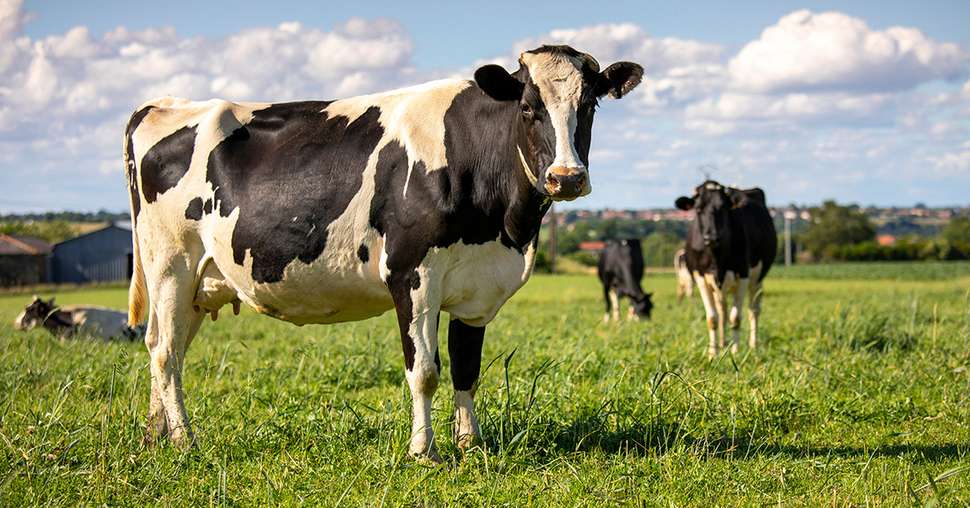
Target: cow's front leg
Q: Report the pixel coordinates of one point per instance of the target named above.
(417, 314)
(707, 296)
(465, 352)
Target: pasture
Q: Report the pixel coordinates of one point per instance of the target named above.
(859, 394)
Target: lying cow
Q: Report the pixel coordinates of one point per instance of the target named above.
(72, 320)
(685, 281)
(421, 200)
(731, 245)
(620, 269)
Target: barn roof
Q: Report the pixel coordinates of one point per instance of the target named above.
(23, 245)
(123, 225)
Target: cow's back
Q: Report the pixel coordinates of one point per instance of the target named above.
(759, 230)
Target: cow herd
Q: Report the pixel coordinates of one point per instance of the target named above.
(420, 200)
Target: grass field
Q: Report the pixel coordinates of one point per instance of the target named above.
(858, 395)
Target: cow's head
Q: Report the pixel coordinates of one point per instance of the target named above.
(712, 204)
(34, 314)
(643, 306)
(556, 89)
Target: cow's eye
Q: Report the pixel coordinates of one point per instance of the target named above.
(527, 111)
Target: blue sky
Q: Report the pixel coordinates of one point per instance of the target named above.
(808, 100)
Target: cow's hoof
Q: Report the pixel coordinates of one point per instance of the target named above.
(183, 440)
(428, 458)
(466, 442)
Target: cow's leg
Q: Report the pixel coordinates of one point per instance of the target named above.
(417, 308)
(720, 300)
(172, 324)
(707, 297)
(465, 352)
(606, 298)
(615, 303)
(157, 423)
(754, 312)
(735, 317)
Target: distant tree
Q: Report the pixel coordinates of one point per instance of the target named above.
(957, 231)
(834, 226)
(51, 231)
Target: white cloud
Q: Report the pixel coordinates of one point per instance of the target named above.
(820, 105)
(830, 51)
(626, 41)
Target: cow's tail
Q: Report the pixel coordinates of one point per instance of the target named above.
(137, 292)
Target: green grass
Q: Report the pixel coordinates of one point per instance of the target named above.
(858, 395)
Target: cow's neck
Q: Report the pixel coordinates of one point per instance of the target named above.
(501, 183)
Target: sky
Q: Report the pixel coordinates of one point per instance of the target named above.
(858, 101)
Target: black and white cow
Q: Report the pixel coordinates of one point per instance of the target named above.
(620, 269)
(76, 320)
(685, 281)
(422, 200)
(731, 245)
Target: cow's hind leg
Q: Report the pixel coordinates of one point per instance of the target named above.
(737, 303)
(172, 324)
(755, 293)
(417, 309)
(157, 420)
(465, 352)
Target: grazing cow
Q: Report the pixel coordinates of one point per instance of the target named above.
(730, 247)
(620, 269)
(685, 281)
(421, 200)
(72, 320)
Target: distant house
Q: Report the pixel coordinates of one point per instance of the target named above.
(23, 260)
(886, 239)
(103, 255)
(592, 246)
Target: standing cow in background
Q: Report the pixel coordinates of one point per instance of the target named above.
(685, 281)
(731, 245)
(421, 200)
(620, 269)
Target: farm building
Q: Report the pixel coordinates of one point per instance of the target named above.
(23, 260)
(99, 256)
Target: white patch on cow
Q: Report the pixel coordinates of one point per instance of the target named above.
(480, 278)
(97, 322)
(412, 116)
(560, 82)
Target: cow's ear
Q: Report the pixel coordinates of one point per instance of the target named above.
(618, 79)
(737, 197)
(498, 84)
(51, 302)
(684, 203)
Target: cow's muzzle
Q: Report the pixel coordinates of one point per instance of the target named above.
(566, 184)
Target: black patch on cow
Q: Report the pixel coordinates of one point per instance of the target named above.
(130, 170)
(164, 165)
(207, 207)
(481, 196)
(194, 210)
(362, 253)
(291, 171)
(465, 351)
